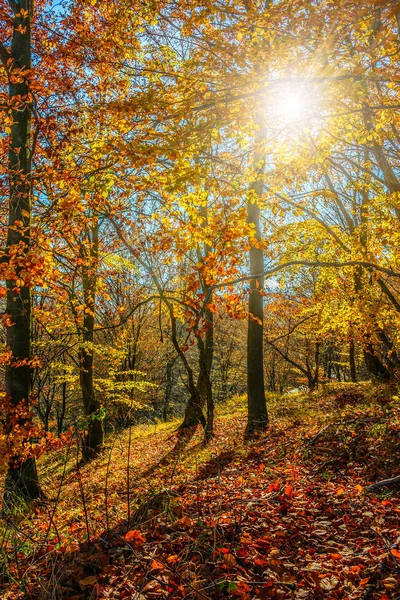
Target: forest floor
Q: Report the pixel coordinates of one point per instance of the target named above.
(284, 516)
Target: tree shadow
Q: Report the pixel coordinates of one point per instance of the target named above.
(184, 436)
(215, 466)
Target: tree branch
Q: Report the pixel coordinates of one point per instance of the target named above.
(4, 54)
(14, 6)
(289, 360)
(305, 263)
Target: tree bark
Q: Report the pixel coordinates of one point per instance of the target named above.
(22, 478)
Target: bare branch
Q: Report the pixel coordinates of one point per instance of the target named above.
(14, 6)
(4, 54)
(291, 330)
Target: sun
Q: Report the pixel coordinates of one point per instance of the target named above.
(292, 105)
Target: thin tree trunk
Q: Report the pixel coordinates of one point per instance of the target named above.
(206, 355)
(194, 400)
(61, 414)
(95, 430)
(257, 418)
(206, 351)
(352, 362)
(22, 478)
(192, 413)
(168, 389)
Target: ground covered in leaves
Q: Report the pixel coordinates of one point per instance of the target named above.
(284, 516)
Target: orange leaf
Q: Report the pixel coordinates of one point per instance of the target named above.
(186, 522)
(395, 553)
(289, 491)
(135, 536)
(156, 566)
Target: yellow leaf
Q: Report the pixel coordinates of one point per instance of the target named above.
(229, 560)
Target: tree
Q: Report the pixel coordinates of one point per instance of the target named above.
(257, 416)
(22, 478)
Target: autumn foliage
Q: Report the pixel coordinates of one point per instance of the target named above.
(199, 203)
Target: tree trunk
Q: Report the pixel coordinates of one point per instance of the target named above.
(196, 413)
(206, 352)
(204, 383)
(22, 479)
(61, 413)
(206, 355)
(352, 362)
(168, 388)
(311, 383)
(193, 409)
(374, 365)
(257, 418)
(95, 430)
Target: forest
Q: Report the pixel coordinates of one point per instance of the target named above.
(200, 299)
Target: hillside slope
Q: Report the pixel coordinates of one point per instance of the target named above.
(286, 516)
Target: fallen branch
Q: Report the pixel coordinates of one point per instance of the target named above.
(321, 431)
(394, 481)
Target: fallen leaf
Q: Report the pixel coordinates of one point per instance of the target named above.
(229, 560)
(91, 580)
(329, 583)
(289, 491)
(156, 566)
(134, 536)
